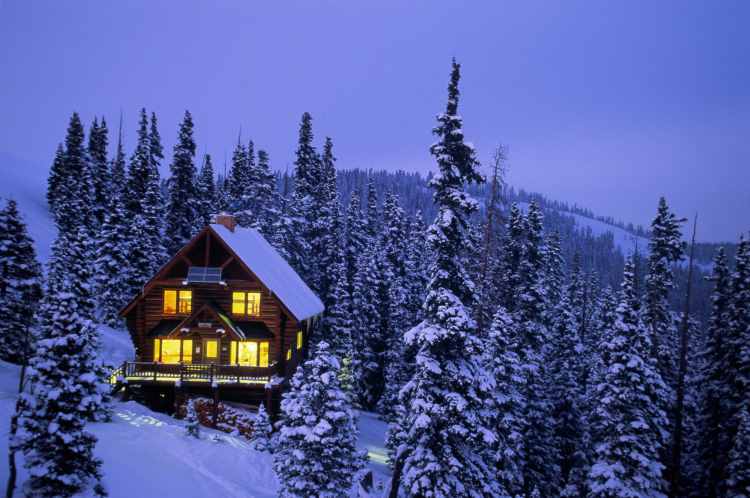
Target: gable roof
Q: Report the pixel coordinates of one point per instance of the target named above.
(271, 269)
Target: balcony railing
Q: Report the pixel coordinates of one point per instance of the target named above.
(134, 371)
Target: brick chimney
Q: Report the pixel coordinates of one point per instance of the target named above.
(226, 220)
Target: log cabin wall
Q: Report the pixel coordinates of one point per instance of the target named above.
(221, 296)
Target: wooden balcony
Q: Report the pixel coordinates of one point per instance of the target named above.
(133, 372)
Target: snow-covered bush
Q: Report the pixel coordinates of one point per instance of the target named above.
(260, 440)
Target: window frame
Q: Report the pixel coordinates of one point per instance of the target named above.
(246, 303)
(186, 351)
(262, 348)
(178, 301)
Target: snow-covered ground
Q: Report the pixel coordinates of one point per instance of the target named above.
(148, 454)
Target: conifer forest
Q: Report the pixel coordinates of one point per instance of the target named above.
(476, 339)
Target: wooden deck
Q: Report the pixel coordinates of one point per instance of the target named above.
(133, 372)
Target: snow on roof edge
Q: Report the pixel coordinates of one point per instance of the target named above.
(272, 269)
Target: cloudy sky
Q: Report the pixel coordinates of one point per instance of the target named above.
(605, 104)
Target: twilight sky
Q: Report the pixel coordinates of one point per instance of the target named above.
(604, 104)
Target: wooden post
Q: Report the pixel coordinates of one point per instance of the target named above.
(215, 413)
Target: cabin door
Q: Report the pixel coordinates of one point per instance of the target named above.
(210, 350)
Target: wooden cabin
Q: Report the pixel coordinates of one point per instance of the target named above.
(226, 316)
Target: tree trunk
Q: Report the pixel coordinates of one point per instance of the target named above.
(11, 486)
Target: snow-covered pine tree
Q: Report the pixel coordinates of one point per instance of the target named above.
(567, 396)
(372, 220)
(738, 469)
(354, 239)
(630, 425)
(205, 190)
(264, 194)
(337, 324)
(97, 150)
(155, 149)
(20, 286)
(56, 181)
(715, 442)
(417, 266)
(327, 223)
(182, 209)
(287, 236)
(665, 248)
(449, 440)
(316, 452)
(540, 473)
(507, 272)
(113, 256)
(509, 402)
(554, 270)
(239, 176)
(260, 440)
(369, 336)
(738, 348)
(192, 422)
(394, 252)
(66, 391)
(308, 196)
(139, 169)
(73, 204)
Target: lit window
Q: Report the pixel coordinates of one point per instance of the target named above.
(157, 345)
(170, 351)
(187, 351)
(263, 354)
(212, 348)
(186, 302)
(170, 302)
(246, 303)
(299, 339)
(178, 302)
(253, 303)
(289, 354)
(238, 303)
(249, 353)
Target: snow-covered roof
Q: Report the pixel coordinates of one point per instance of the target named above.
(272, 269)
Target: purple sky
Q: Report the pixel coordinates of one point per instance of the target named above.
(605, 104)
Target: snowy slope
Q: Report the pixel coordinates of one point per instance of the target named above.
(27, 184)
(624, 240)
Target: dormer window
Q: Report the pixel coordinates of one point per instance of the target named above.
(246, 303)
(177, 302)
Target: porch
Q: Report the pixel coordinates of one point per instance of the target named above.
(210, 374)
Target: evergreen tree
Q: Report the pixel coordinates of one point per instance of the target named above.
(337, 325)
(192, 422)
(369, 339)
(417, 265)
(446, 400)
(262, 430)
(631, 425)
(140, 168)
(56, 181)
(567, 395)
(97, 150)
(355, 240)
(316, 451)
(738, 470)
(239, 177)
(715, 441)
(510, 401)
(738, 352)
(20, 286)
(554, 269)
(205, 190)
(182, 209)
(263, 194)
(113, 260)
(58, 451)
(665, 248)
(287, 236)
(373, 216)
(73, 205)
